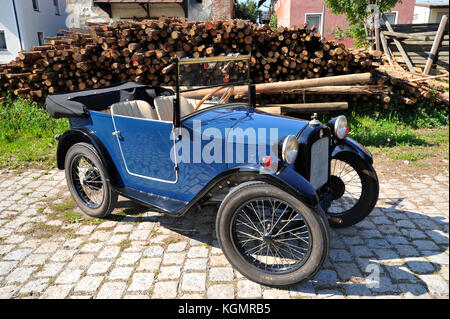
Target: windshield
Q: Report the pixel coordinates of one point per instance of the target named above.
(200, 73)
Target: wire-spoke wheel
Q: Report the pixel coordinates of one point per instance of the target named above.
(354, 186)
(87, 181)
(270, 236)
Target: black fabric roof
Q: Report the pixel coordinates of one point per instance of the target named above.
(76, 104)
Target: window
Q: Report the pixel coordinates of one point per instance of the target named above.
(40, 36)
(391, 17)
(314, 18)
(3, 41)
(35, 5)
(56, 5)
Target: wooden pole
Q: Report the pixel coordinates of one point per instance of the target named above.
(283, 86)
(435, 47)
(400, 48)
(386, 48)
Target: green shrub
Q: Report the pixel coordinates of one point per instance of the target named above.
(27, 133)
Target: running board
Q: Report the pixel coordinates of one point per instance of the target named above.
(159, 203)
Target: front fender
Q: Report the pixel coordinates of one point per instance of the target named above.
(350, 145)
(82, 134)
(286, 178)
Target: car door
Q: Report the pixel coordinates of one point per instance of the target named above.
(145, 146)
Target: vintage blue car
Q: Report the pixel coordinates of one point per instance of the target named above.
(279, 182)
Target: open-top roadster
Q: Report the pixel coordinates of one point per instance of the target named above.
(279, 181)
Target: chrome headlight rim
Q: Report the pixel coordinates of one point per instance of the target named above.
(289, 154)
(340, 127)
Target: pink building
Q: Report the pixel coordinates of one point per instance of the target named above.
(294, 12)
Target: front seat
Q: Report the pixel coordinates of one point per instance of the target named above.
(164, 107)
(135, 108)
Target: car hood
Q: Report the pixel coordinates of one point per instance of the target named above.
(248, 134)
(244, 117)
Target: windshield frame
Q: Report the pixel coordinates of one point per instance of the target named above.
(185, 61)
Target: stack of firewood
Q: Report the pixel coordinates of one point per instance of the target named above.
(144, 52)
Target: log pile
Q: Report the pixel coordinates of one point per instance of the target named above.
(144, 52)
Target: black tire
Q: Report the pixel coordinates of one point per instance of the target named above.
(97, 176)
(368, 195)
(312, 221)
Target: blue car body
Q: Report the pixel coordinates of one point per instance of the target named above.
(140, 165)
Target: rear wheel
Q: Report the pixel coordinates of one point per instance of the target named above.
(354, 185)
(86, 179)
(270, 236)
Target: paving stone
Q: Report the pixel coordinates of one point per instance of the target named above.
(141, 281)
(419, 265)
(18, 254)
(221, 274)
(8, 292)
(435, 284)
(111, 290)
(35, 260)
(339, 255)
(7, 266)
(220, 291)
(248, 289)
(63, 255)
(50, 270)
(165, 290)
(99, 267)
(154, 251)
(120, 273)
(128, 259)
(276, 294)
(194, 282)
(109, 252)
(149, 264)
(56, 292)
(173, 258)
(89, 284)
(425, 245)
(21, 274)
(69, 276)
(198, 264)
(326, 277)
(169, 272)
(35, 286)
(302, 290)
(198, 252)
(81, 261)
(177, 247)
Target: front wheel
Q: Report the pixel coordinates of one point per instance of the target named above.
(87, 182)
(270, 236)
(354, 187)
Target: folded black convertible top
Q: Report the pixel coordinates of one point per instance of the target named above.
(77, 104)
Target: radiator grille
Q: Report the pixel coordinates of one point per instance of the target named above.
(319, 163)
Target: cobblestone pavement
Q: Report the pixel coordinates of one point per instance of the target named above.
(47, 251)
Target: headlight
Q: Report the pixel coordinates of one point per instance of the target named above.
(289, 150)
(340, 127)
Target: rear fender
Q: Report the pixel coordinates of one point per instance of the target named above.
(79, 135)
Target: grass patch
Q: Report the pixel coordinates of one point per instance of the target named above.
(27, 134)
(73, 217)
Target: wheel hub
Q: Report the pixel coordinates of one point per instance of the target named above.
(91, 176)
(337, 187)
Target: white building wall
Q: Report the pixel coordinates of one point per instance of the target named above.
(421, 14)
(45, 20)
(9, 27)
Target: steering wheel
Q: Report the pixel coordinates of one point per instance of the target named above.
(225, 97)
